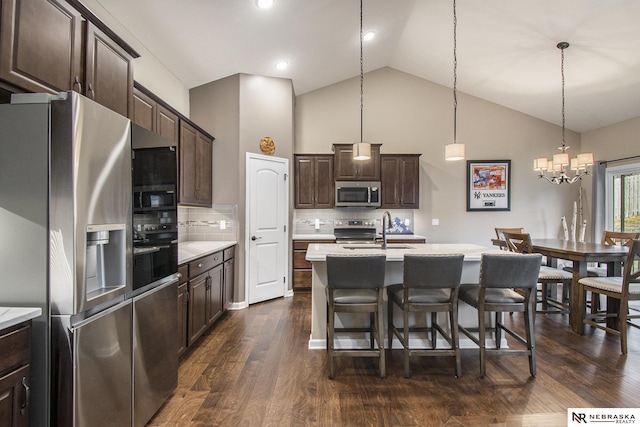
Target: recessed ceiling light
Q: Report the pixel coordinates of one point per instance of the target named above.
(369, 35)
(264, 4)
(282, 65)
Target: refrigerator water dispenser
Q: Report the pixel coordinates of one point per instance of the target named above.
(105, 259)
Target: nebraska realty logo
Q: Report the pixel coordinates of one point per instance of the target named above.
(602, 416)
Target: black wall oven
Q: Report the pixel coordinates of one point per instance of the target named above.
(155, 213)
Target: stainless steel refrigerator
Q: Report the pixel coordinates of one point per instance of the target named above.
(65, 225)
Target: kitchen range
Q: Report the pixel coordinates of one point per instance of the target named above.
(355, 230)
(104, 348)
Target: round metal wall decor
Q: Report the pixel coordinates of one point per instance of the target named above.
(267, 145)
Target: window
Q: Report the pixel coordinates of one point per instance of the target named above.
(623, 198)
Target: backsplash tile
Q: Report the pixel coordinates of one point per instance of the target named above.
(218, 223)
(304, 219)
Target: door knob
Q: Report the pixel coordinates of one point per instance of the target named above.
(255, 238)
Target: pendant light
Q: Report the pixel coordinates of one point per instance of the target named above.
(361, 150)
(454, 151)
(560, 164)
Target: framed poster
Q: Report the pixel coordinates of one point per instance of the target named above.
(488, 185)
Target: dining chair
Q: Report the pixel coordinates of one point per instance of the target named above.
(500, 234)
(548, 278)
(500, 274)
(613, 238)
(623, 288)
(355, 284)
(429, 285)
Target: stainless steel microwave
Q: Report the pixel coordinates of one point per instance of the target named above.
(358, 194)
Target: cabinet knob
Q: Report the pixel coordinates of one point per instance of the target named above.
(91, 93)
(200, 265)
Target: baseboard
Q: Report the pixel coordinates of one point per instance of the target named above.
(238, 305)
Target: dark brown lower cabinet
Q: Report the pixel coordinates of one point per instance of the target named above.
(205, 296)
(183, 308)
(302, 267)
(214, 297)
(198, 287)
(15, 348)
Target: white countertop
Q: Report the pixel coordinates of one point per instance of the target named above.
(188, 251)
(325, 236)
(10, 316)
(314, 236)
(395, 252)
(392, 237)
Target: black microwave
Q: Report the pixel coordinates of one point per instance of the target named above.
(357, 194)
(158, 197)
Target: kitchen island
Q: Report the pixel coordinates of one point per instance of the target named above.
(317, 255)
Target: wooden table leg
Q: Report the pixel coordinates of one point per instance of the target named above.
(576, 300)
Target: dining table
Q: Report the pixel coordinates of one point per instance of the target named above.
(581, 253)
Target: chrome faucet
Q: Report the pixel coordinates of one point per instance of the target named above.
(386, 215)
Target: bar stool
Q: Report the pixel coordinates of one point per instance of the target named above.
(430, 285)
(548, 277)
(499, 274)
(355, 284)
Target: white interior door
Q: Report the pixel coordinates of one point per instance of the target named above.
(267, 216)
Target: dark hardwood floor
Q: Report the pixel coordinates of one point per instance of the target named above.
(253, 368)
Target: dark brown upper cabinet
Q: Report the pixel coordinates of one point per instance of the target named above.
(41, 45)
(347, 169)
(195, 145)
(313, 181)
(53, 46)
(151, 114)
(195, 166)
(108, 72)
(400, 181)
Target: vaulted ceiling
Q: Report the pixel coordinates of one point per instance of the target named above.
(506, 49)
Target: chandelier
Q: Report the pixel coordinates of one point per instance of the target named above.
(361, 150)
(454, 151)
(560, 164)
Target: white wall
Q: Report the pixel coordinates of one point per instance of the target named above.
(239, 111)
(215, 107)
(411, 115)
(614, 142)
